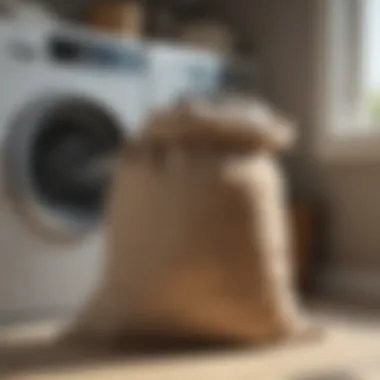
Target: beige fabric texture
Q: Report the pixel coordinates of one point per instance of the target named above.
(198, 242)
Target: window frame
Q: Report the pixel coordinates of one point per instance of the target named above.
(341, 134)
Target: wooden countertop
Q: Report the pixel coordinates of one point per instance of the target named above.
(351, 345)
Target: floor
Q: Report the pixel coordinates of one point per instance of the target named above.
(349, 350)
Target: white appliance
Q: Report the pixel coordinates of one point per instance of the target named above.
(183, 72)
(68, 98)
(56, 118)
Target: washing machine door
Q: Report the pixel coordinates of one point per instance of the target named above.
(58, 163)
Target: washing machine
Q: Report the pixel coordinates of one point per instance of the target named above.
(66, 107)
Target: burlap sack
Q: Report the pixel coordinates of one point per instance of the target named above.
(198, 241)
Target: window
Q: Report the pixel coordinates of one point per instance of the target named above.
(348, 78)
(371, 62)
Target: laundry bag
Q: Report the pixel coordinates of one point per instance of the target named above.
(198, 242)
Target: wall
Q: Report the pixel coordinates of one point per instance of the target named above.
(71, 9)
(284, 34)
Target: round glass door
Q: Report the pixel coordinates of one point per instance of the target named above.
(60, 160)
